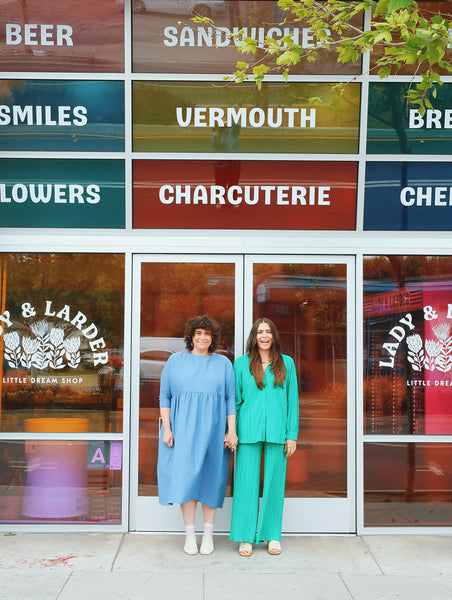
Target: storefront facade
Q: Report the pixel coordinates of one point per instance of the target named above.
(138, 188)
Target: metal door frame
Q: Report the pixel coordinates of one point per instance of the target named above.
(335, 515)
(146, 514)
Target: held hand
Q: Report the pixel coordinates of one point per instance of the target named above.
(168, 438)
(231, 441)
(290, 447)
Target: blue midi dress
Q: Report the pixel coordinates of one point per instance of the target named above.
(200, 391)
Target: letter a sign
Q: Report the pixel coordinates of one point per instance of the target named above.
(98, 455)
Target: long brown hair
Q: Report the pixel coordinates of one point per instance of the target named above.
(277, 364)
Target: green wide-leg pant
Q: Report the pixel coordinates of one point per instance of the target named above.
(248, 525)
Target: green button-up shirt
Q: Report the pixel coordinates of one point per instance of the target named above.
(270, 414)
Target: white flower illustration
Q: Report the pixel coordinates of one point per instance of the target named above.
(442, 331)
(414, 342)
(56, 336)
(433, 348)
(72, 344)
(415, 351)
(40, 328)
(55, 352)
(12, 340)
(29, 345)
(41, 331)
(12, 349)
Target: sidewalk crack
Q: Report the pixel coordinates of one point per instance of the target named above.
(64, 585)
(372, 555)
(346, 586)
(117, 552)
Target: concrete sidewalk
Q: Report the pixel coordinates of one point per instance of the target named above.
(105, 566)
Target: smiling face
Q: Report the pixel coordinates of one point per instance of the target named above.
(202, 338)
(264, 337)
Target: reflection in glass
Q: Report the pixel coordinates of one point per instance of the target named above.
(60, 481)
(165, 40)
(427, 9)
(278, 117)
(407, 484)
(396, 127)
(70, 36)
(62, 115)
(171, 293)
(407, 323)
(407, 196)
(61, 192)
(308, 305)
(233, 194)
(62, 340)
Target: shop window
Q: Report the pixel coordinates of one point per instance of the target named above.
(233, 194)
(408, 344)
(308, 304)
(278, 118)
(166, 40)
(71, 115)
(396, 127)
(60, 481)
(427, 9)
(62, 341)
(74, 36)
(407, 196)
(71, 193)
(407, 484)
(172, 293)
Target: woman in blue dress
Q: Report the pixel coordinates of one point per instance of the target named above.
(197, 408)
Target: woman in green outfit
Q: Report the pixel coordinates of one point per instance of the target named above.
(267, 420)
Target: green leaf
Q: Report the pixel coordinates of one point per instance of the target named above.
(260, 70)
(346, 55)
(381, 7)
(383, 36)
(403, 35)
(437, 20)
(289, 57)
(398, 4)
(384, 72)
(247, 45)
(201, 20)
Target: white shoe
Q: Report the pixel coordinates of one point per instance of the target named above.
(207, 545)
(190, 546)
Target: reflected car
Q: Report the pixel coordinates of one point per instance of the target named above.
(202, 8)
(154, 352)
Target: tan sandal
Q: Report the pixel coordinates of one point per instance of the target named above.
(274, 547)
(245, 549)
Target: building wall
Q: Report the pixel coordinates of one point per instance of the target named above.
(126, 160)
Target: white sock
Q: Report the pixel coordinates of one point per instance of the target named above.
(207, 539)
(190, 546)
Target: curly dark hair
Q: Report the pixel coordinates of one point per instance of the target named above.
(202, 322)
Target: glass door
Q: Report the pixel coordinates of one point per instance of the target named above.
(311, 301)
(167, 292)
